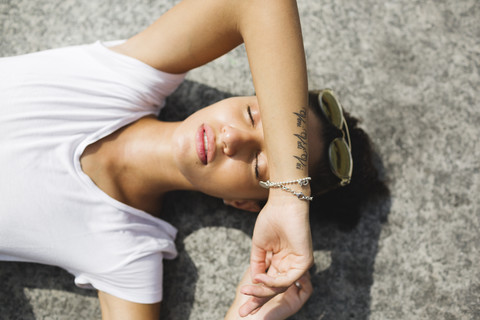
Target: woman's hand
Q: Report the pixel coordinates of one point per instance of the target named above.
(282, 245)
(280, 307)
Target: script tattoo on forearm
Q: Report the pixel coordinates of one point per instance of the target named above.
(302, 145)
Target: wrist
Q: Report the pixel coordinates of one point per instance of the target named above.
(298, 187)
(279, 193)
(282, 199)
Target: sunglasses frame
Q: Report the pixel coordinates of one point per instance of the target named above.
(344, 179)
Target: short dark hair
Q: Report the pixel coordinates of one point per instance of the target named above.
(343, 205)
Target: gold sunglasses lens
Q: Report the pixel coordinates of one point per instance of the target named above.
(340, 159)
(330, 107)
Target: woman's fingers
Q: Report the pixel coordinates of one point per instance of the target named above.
(252, 306)
(304, 287)
(260, 295)
(261, 291)
(294, 297)
(285, 280)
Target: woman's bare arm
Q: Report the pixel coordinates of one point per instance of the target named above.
(187, 36)
(195, 32)
(114, 308)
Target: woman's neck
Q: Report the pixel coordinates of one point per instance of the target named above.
(135, 164)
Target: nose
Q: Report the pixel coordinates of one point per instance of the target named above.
(235, 140)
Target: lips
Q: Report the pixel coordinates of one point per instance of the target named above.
(205, 144)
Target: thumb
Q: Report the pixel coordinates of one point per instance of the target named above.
(258, 263)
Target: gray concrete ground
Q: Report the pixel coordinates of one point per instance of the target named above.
(408, 68)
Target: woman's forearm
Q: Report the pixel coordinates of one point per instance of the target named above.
(272, 34)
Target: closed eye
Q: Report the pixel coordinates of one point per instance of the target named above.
(250, 115)
(256, 166)
(249, 111)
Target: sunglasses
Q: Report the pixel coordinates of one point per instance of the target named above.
(339, 151)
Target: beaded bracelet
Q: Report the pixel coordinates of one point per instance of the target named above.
(302, 182)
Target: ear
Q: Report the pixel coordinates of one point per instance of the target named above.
(247, 205)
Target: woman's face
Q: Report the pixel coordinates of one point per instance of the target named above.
(220, 149)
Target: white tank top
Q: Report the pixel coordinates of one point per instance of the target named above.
(52, 105)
